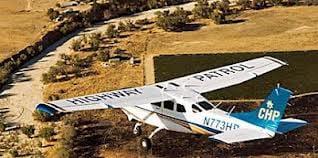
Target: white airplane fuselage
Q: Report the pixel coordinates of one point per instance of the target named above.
(208, 122)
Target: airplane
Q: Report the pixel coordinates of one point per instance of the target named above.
(177, 105)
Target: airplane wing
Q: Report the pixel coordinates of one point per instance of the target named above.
(226, 76)
(112, 99)
(240, 135)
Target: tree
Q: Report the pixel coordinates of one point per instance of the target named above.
(173, 21)
(121, 26)
(202, 9)
(28, 130)
(103, 55)
(2, 126)
(111, 31)
(218, 17)
(46, 133)
(76, 44)
(41, 116)
(68, 134)
(244, 4)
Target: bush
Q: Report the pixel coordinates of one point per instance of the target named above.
(28, 130)
(50, 11)
(2, 126)
(111, 31)
(103, 55)
(173, 21)
(41, 116)
(54, 14)
(218, 17)
(60, 151)
(121, 26)
(244, 4)
(46, 133)
(202, 9)
(76, 44)
(144, 21)
(95, 41)
(13, 152)
(68, 134)
(276, 2)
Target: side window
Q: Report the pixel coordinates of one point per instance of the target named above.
(205, 105)
(180, 108)
(195, 109)
(157, 104)
(168, 104)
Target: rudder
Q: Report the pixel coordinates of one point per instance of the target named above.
(269, 114)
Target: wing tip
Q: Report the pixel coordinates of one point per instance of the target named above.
(276, 60)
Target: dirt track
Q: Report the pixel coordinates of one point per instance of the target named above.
(25, 92)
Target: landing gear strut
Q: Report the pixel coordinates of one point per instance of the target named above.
(137, 129)
(145, 142)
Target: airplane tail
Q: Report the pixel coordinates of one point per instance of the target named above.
(269, 114)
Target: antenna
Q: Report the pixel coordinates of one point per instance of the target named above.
(231, 110)
(215, 106)
(278, 85)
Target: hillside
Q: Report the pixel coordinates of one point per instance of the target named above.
(21, 22)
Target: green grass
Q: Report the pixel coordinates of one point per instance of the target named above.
(300, 76)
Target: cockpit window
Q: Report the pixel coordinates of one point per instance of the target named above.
(180, 108)
(195, 108)
(168, 104)
(205, 105)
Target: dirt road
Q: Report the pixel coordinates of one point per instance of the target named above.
(25, 92)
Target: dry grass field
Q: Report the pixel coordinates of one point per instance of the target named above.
(273, 29)
(21, 22)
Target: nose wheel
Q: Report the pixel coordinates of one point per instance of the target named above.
(145, 143)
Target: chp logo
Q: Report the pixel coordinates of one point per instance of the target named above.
(268, 113)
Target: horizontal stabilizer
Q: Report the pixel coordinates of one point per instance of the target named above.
(289, 124)
(240, 135)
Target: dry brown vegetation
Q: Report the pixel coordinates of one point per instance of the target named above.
(121, 76)
(293, 28)
(21, 24)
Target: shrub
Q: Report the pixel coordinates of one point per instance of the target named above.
(2, 126)
(111, 31)
(202, 9)
(130, 26)
(50, 11)
(28, 130)
(173, 21)
(54, 14)
(68, 134)
(60, 151)
(103, 55)
(144, 21)
(121, 26)
(218, 17)
(95, 41)
(41, 116)
(76, 44)
(46, 133)
(244, 4)
(13, 152)
(276, 2)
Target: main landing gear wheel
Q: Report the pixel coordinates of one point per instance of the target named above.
(145, 143)
(137, 130)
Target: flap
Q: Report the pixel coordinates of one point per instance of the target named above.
(240, 135)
